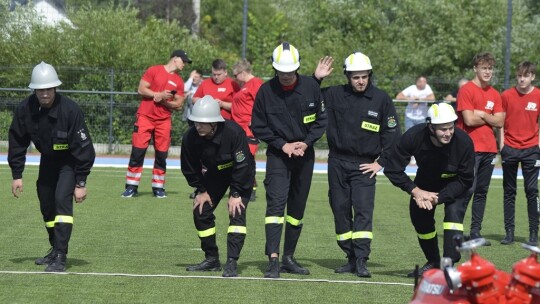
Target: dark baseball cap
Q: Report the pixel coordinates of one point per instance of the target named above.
(182, 54)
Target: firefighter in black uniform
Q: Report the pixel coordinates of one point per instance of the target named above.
(445, 159)
(215, 157)
(289, 116)
(362, 131)
(56, 126)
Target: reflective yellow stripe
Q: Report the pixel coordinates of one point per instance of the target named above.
(370, 126)
(207, 232)
(63, 219)
(293, 53)
(49, 224)
(237, 229)
(310, 118)
(58, 147)
(344, 236)
(131, 174)
(453, 226)
(225, 166)
(428, 236)
(362, 235)
(291, 220)
(448, 175)
(273, 220)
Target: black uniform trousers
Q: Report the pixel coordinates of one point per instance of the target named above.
(287, 183)
(424, 223)
(55, 187)
(205, 222)
(530, 163)
(483, 167)
(351, 192)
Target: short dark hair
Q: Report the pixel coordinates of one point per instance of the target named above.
(219, 64)
(526, 67)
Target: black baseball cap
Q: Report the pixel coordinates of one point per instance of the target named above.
(182, 54)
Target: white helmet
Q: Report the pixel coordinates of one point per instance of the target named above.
(44, 77)
(441, 113)
(206, 110)
(286, 58)
(357, 62)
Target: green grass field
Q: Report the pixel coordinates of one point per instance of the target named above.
(136, 250)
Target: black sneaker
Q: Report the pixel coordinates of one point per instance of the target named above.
(361, 268)
(46, 259)
(231, 269)
(477, 235)
(209, 264)
(347, 268)
(289, 264)
(421, 270)
(58, 262)
(272, 272)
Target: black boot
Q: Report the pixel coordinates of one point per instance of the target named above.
(289, 264)
(46, 259)
(361, 268)
(209, 264)
(427, 266)
(477, 235)
(57, 263)
(231, 269)
(509, 238)
(347, 268)
(272, 272)
(533, 238)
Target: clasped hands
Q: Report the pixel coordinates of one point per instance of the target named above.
(425, 199)
(294, 149)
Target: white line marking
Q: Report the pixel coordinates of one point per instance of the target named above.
(203, 277)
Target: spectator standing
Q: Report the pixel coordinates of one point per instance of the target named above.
(415, 112)
(520, 145)
(479, 111)
(362, 131)
(445, 158)
(190, 87)
(242, 106)
(289, 116)
(219, 86)
(215, 157)
(162, 91)
(56, 126)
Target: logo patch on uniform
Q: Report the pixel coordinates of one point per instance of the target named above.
(370, 126)
(221, 89)
(310, 118)
(537, 163)
(240, 157)
(372, 113)
(311, 104)
(82, 135)
(531, 106)
(392, 122)
(489, 105)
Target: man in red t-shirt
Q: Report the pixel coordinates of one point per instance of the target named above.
(520, 144)
(242, 106)
(220, 87)
(162, 91)
(479, 111)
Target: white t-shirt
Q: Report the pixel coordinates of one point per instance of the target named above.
(417, 110)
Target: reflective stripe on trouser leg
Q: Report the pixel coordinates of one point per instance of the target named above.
(293, 228)
(273, 228)
(424, 225)
(135, 167)
(160, 167)
(236, 233)
(49, 226)
(206, 228)
(341, 205)
(454, 213)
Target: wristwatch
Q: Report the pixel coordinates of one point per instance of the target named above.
(235, 195)
(81, 184)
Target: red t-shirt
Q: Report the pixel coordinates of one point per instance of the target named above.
(243, 104)
(223, 91)
(472, 97)
(521, 122)
(159, 80)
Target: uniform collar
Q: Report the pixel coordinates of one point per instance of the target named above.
(35, 107)
(369, 92)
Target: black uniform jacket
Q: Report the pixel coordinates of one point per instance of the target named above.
(59, 134)
(448, 170)
(225, 158)
(361, 126)
(281, 117)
